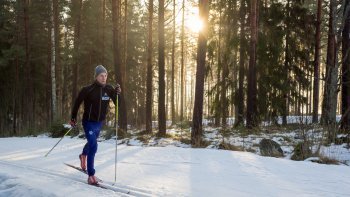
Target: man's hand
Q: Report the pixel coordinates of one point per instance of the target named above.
(118, 89)
(73, 122)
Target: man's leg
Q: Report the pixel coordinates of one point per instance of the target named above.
(83, 156)
(86, 148)
(92, 132)
(92, 143)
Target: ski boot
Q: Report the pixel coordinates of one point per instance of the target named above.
(92, 180)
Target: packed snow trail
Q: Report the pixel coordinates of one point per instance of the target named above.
(114, 186)
(161, 171)
(31, 177)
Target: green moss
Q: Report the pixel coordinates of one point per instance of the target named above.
(301, 151)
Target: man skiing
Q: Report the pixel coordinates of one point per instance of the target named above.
(96, 100)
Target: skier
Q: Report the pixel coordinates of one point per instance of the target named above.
(96, 100)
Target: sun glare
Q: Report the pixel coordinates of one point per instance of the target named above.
(195, 24)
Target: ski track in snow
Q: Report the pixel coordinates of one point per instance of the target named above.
(160, 171)
(120, 190)
(9, 186)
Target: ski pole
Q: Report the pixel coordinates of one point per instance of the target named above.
(58, 142)
(116, 138)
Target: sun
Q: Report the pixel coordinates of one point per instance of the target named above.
(194, 23)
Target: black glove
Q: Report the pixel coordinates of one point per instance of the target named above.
(73, 122)
(118, 89)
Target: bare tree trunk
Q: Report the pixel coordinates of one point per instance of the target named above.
(317, 64)
(64, 97)
(53, 64)
(77, 6)
(48, 86)
(118, 65)
(182, 96)
(123, 107)
(167, 106)
(224, 74)
(161, 65)
(218, 104)
(208, 98)
(16, 92)
(225, 71)
(101, 31)
(149, 94)
(173, 68)
(345, 124)
(28, 99)
(329, 106)
(240, 106)
(308, 93)
(252, 116)
(234, 94)
(15, 97)
(196, 134)
(125, 42)
(58, 65)
(217, 95)
(286, 67)
(299, 100)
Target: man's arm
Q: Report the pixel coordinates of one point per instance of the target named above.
(77, 103)
(113, 92)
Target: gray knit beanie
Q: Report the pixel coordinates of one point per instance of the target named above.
(100, 69)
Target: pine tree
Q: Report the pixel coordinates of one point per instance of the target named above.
(197, 130)
(317, 63)
(240, 103)
(53, 59)
(76, 9)
(330, 89)
(252, 74)
(182, 74)
(116, 15)
(161, 65)
(346, 68)
(149, 96)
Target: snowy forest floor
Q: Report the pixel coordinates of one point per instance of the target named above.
(151, 166)
(240, 140)
(160, 171)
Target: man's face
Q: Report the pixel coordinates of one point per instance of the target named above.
(102, 78)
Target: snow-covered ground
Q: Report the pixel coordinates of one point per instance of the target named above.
(161, 171)
(287, 140)
(290, 120)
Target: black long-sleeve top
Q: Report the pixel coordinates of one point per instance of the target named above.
(96, 100)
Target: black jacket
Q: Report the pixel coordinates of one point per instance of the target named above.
(96, 100)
